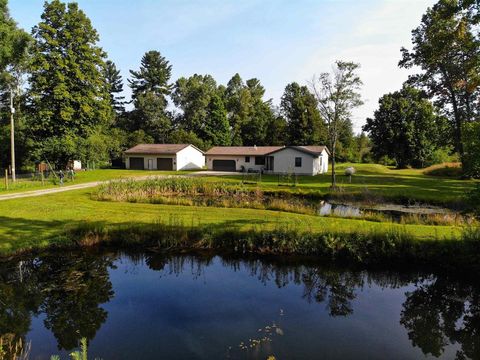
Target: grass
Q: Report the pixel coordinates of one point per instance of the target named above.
(75, 217)
(80, 178)
(380, 183)
(42, 221)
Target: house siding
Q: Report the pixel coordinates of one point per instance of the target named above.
(189, 159)
(239, 161)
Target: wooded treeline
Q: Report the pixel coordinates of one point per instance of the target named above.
(68, 97)
(71, 105)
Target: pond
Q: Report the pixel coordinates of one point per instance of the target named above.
(156, 306)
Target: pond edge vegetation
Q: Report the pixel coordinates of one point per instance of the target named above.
(391, 247)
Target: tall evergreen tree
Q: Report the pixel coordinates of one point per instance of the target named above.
(68, 90)
(305, 126)
(153, 76)
(115, 87)
(150, 88)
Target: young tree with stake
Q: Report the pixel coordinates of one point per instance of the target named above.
(337, 95)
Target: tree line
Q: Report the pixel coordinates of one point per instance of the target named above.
(71, 103)
(436, 114)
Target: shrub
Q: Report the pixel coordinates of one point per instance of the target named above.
(445, 170)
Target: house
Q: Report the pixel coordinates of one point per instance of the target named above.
(238, 158)
(301, 160)
(164, 157)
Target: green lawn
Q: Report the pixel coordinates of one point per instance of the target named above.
(40, 221)
(379, 181)
(81, 177)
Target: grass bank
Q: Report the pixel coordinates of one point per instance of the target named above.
(385, 248)
(374, 183)
(74, 219)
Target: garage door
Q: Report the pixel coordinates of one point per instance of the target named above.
(224, 165)
(136, 163)
(164, 164)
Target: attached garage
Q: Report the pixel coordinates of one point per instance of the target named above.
(164, 164)
(224, 165)
(136, 163)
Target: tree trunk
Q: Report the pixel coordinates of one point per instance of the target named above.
(334, 180)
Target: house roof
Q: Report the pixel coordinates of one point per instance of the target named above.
(311, 150)
(242, 150)
(158, 148)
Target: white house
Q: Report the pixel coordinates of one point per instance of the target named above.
(238, 158)
(302, 160)
(164, 157)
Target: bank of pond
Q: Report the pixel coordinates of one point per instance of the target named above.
(202, 305)
(187, 191)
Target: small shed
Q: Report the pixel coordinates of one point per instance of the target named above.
(172, 157)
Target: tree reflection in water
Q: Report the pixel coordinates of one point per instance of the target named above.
(69, 289)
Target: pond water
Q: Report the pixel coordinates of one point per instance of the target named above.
(150, 306)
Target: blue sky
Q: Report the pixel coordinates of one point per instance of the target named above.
(277, 41)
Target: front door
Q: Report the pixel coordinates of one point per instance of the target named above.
(150, 164)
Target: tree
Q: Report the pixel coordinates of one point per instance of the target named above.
(115, 87)
(304, 123)
(404, 127)
(193, 96)
(254, 128)
(217, 128)
(445, 48)
(153, 76)
(14, 42)
(150, 87)
(337, 95)
(68, 90)
(471, 139)
(237, 101)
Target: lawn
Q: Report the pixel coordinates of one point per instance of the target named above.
(379, 182)
(80, 177)
(41, 221)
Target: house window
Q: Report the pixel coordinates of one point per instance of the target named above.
(247, 159)
(259, 160)
(298, 162)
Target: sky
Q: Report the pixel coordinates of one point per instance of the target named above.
(276, 41)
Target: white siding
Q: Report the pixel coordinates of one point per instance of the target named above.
(189, 159)
(324, 162)
(239, 161)
(284, 162)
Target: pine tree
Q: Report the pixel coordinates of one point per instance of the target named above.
(115, 87)
(68, 90)
(153, 76)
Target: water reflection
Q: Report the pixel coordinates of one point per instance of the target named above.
(68, 290)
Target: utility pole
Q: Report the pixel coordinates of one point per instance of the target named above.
(12, 135)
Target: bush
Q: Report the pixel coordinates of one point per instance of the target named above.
(473, 199)
(445, 170)
(471, 146)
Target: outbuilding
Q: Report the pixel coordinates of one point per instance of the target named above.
(164, 157)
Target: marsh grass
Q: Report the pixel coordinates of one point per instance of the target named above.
(200, 192)
(391, 246)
